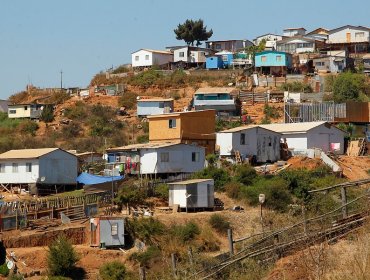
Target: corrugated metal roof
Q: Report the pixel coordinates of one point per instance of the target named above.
(292, 127)
(151, 145)
(210, 90)
(245, 127)
(191, 181)
(176, 114)
(154, 51)
(154, 99)
(26, 153)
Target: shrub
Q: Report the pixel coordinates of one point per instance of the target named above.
(232, 190)
(121, 69)
(61, 257)
(146, 79)
(28, 126)
(71, 130)
(271, 112)
(128, 100)
(245, 174)
(211, 159)
(142, 138)
(144, 258)
(147, 230)
(47, 114)
(296, 87)
(114, 270)
(131, 195)
(4, 270)
(219, 223)
(185, 232)
(161, 191)
(77, 112)
(220, 176)
(347, 86)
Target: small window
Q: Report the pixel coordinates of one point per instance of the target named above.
(278, 58)
(136, 58)
(263, 58)
(181, 54)
(242, 138)
(359, 35)
(147, 57)
(2, 168)
(114, 229)
(161, 105)
(28, 167)
(172, 123)
(12, 111)
(195, 156)
(165, 157)
(218, 46)
(224, 58)
(25, 108)
(15, 167)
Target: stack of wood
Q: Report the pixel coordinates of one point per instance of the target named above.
(357, 147)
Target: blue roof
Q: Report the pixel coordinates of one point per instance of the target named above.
(90, 179)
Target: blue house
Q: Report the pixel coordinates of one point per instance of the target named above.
(214, 62)
(273, 62)
(227, 58)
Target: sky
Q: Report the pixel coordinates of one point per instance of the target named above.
(41, 38)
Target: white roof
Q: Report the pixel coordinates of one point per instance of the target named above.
(27, 153)
(155, 51)
(245, 127)
(191, 181)
(214, 90)
(292, 127)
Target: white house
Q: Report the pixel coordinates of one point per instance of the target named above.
(155, 158)
(190, 54)
(154, 106)
(46, 166)
(4, 105)
(270, 40)
(290, 32)
(354, 39)
(32, 111)
(190, 194)
(148, 58)
(298, 44)
(307, 135)
(249, 141)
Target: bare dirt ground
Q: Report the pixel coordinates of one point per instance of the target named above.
(355, 168)
(304, 162)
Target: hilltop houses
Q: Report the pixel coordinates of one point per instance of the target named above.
(228, 45)
(154, 106)
(148, 58)
(219, 99)
(30, 111)
(273, 62)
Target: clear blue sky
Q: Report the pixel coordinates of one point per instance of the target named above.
(38, 38)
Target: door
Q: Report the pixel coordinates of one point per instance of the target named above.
(348, 36)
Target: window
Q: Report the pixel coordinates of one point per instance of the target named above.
(28, 167)
(161, 105)
(15, 167)
(195, 156)
(181, 54)
(12, 111)
(114, 229)
(2, 168)
(278, 58)
(320, 63)
(25, 108)
(165, 157)
(359, 35)
(218, 46)
(263, 58)
(172, 123)
(136, 58)
(224, 58)
(242, 138)
(147, 57)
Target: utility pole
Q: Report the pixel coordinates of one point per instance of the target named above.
(61, 80)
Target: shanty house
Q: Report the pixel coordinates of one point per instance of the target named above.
(270, 40)
(228, 45)
(273, 62)
(219, 99)
(249, 141)
(290, 32)
(148, 58)
(189, 55)
(154, 106)
(214, 62)
(330, 63)
(308, 135)
(299, 44)
(155, 158)
(366, 60)
(107, 232)
(354, 39)
(38, 167)
(192, 194)
(192, 127)
(31, 111)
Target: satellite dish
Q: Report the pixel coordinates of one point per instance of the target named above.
(42, 179)
(10, 264)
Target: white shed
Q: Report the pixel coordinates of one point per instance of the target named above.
(154, 106)
(47, 166)
(307, 135)
(157, 158)
(147, 58)
(249, 141)
(195, 193)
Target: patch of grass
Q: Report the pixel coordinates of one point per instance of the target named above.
(219, 223)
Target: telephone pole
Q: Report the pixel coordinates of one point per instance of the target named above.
(61, 80)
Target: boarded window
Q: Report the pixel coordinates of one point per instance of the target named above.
(181, 54)
(28, 167)
(195, 156)
(165, 157)
(263, 58)
(242, 138)
(2, 168)
(15, 167)
(114, 229)
(172, 123)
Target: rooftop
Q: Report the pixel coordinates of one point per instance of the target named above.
(154, 99)
(26, 153)
(191, 181)
(292, 127)
(294, 28)
(151, 145)
(244, 127)
(212, 90)
(155, 51)
(176, 114)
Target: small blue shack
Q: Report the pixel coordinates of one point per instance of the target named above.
(227, 58)
(273, 62)
(214, 62)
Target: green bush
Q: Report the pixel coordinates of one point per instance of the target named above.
(4, 270)
(47, 114)
(142, 138)
(131, 195)
(161, 191)
(77, 112)
(219, 223)
(245, 174)
(121, 69)
(146, 229)
(185, 232)
(144, 258)
(348, 86)
(61, 257)
(146, 79)
(71, 130)
(114, 270)
(128, 100)
(271, 112)
(232, 190)
(296, 87)
(220, 176)
(29, 127)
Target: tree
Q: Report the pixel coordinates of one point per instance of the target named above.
(61, 257)
(347, 86)
(47, 114)
(113, 271)
(191, 31)
(252, 50)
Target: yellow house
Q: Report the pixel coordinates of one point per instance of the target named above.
(185, 127)
(32, 111)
